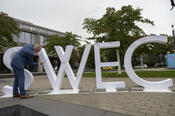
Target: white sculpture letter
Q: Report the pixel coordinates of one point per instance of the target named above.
(8, 90)
(56, 81)
(109, 86)
(160, 86)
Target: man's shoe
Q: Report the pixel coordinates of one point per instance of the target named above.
(25, 96)
(16, 95)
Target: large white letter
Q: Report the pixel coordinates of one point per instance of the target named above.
(109, 86)
(56, 81)
(160, 86)
(8, 90)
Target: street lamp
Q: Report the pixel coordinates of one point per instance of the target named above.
(173, 30)
(173, 35)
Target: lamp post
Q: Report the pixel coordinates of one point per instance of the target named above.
(173, 30)
(173, 36)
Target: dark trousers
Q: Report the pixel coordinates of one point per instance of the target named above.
(19, 80)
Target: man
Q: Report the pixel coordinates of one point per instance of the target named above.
(19, 60)
(172, 4)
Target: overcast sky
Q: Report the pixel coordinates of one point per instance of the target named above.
(68, 15)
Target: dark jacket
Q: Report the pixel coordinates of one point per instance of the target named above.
(24, 56)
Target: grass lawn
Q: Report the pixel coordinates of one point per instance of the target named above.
(147, 74)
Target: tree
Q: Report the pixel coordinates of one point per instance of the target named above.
(118, 25)
(8, 28)
(163, 48)
(90, 61)
(63, 41)
(152, 50)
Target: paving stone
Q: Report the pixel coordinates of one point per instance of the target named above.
(148, 114)
(131, 103)
(171, 111)
(137, 113)
(143, 107)
(164, 114)
(152, 105)
(112, 114)
(55, 108)
(124, 111)
(132, 109)
(148, 111)
(159, 110)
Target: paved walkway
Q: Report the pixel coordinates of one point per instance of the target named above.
(53, 108)
(134, 102)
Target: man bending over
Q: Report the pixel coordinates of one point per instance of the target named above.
(20, 59)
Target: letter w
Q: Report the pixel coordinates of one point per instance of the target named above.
(56, 81)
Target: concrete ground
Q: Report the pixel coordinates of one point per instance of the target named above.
(127, 101)
(51, 107)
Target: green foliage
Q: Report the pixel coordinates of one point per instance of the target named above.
(63, 41)
(143, 74)
(154, 49)
(118, 25)
(90, 61)
(163, 48)
(8, 28)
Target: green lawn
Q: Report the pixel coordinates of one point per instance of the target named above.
(152, 74)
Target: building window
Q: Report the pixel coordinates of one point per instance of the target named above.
(24, 37)
(15, 38)
(21, 37)
(33, 38)
(42, 40)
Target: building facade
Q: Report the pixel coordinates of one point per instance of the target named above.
(33, 34)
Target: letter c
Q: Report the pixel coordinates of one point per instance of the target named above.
(159, 86)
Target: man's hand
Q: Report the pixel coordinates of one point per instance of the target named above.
(41, 63)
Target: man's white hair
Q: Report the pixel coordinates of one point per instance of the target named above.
(38, 46)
